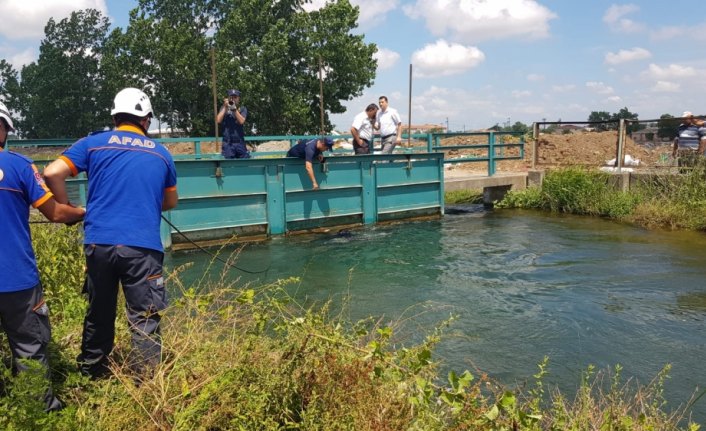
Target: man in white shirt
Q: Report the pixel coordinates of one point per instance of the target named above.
(388, 122)
(362, 130)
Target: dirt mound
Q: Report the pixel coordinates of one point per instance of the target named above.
(572, 149)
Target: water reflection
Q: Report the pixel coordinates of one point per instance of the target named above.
(524, 285)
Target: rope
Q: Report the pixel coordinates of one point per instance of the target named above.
(213, 255)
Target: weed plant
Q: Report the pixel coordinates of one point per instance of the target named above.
(671, 201)
(463, 197)
(575, 191)
(244, 358)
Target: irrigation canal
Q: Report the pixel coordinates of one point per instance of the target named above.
(524, 285)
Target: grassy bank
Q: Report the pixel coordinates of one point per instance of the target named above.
(254, 359)
(664, 201)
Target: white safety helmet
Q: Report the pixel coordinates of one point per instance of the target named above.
(5, 113)
(132, 101)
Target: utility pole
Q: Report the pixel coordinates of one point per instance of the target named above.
(447, 124)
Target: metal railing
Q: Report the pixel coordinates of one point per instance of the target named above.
(491, 152)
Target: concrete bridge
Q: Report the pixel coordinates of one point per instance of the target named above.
(494, 187)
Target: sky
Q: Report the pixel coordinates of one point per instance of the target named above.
(477, 63)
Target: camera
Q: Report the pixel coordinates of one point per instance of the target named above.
(231, 105)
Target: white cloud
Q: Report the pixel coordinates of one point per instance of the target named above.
(444, 59)
(535, 77)
(371, 12)
(24, 19)
(614, 17)
(666, 33)
(16, 57)
(614, 99)
(666, 87)
(518, 94)
(470, 21)
(599, 87)
(22, 58)
(563, 88)
(386, 58)
(671, 72)
(625, 55)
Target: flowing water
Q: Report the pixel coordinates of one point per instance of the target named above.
(523, 284)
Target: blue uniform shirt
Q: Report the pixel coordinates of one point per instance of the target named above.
(21, 185)
(233, 131)
(128, 174)
(305, 150)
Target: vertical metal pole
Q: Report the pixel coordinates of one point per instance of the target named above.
(213, 90)
(409, 110)
(535, 144)
(321, 97)
(491, 154)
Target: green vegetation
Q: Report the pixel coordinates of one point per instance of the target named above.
(667, 201)
(253, 359)
(463, 197)
(614, 119)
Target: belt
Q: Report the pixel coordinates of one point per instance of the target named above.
(387, 136)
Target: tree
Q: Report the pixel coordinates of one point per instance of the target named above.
(10, 91)
(519, 127)
(624, 113)
(269, 49)
(62, 95)
(600, 116)
(614, 120)
(667, 126)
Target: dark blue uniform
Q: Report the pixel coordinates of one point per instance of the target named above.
(128, 176)
(23, 313)
(234, 136)
(305, 150)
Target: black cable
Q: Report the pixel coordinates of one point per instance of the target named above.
(213, 255)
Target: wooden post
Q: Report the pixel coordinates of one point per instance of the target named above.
(621, 144)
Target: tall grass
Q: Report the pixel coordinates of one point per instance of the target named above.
(665, 201)
(253, 359)
(576, 191)
(677, 202)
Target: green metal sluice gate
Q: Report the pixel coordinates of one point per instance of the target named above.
(256, 198)
(261, 197)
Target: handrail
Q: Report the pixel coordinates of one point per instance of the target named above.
(432, 145)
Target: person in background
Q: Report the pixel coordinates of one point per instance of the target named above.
(362, 130)
(387, 120)
(131, 180)
(691, 137)
(310, 150)
(232, 115)
(23, 313)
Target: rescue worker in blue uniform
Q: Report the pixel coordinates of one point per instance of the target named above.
(23, 313)
(310, 150)
(232, 115)
(131, 180)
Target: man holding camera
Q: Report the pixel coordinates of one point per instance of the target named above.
(232, 115)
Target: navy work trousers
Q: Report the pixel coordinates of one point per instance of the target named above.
(25, 320)
(235, 150)
(139, 271)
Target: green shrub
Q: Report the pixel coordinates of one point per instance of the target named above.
(575, 191)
